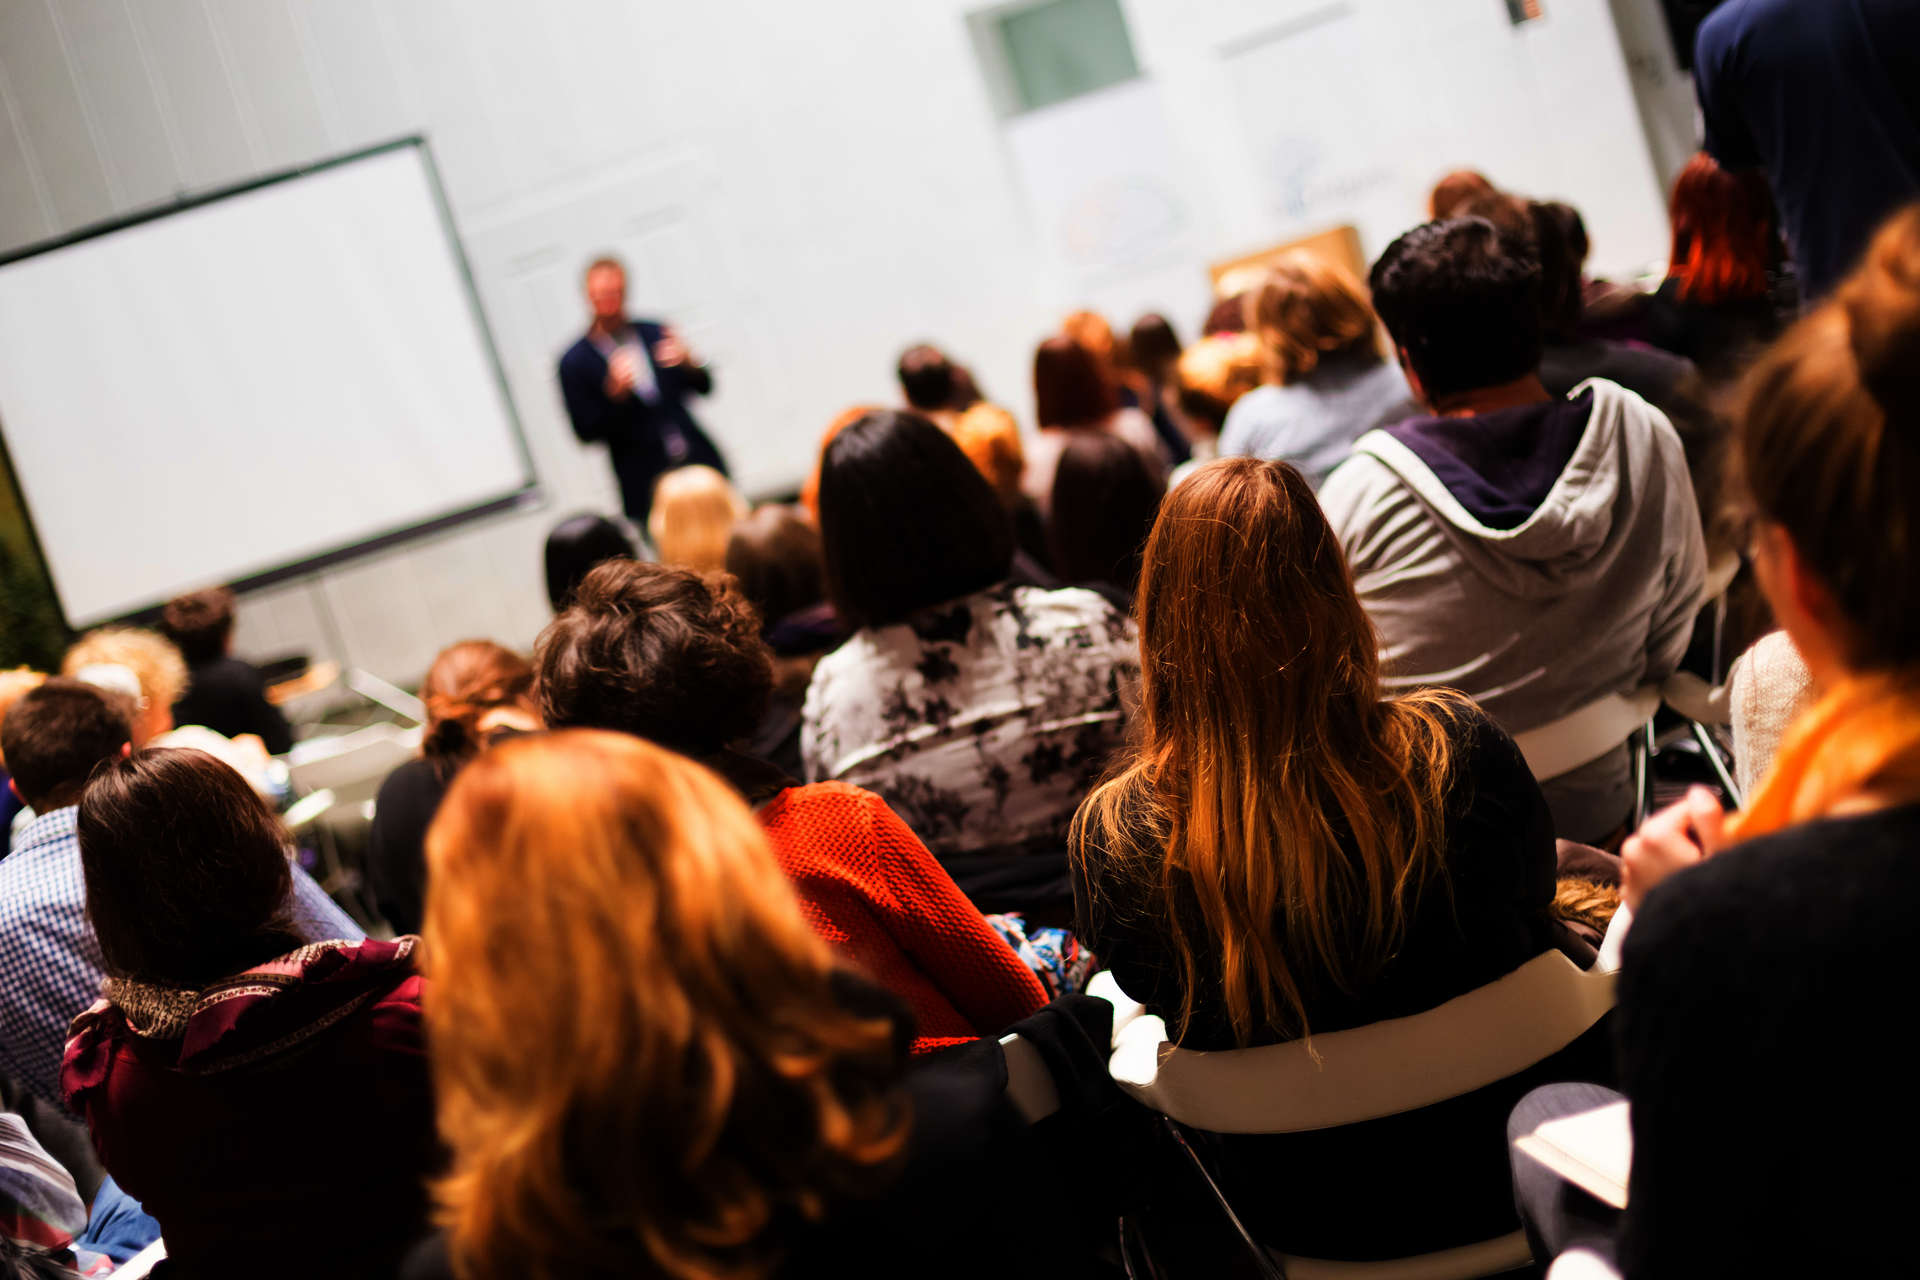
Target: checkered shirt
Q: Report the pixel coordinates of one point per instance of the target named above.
(50, 963)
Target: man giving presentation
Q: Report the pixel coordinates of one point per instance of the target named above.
(626, 383)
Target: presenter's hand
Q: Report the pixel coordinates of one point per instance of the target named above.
(670, 350)
(620, 375)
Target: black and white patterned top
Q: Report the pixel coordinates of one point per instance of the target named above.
(984, 722)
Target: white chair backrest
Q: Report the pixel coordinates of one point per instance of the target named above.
(1585, 735)
(351, 759)
(141, 1264)
(1581, 1264)
(1030, 1086)
(1383, 1069)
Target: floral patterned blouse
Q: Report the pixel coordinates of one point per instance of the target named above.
(983, 723)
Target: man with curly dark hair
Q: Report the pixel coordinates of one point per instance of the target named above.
(676, 657)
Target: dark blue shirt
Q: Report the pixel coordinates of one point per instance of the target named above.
(1824, 95)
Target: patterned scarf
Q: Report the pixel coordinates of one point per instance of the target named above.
(1865, 733)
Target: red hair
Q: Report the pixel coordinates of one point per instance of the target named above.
(1722, 231)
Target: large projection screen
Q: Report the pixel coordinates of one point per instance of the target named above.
(251, 385)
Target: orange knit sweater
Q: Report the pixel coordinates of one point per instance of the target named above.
(870, 888)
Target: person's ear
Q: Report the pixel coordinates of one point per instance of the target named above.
(15, 788)
(126, 749)
(1413, 377)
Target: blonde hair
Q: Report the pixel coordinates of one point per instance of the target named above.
(640, 1064)
(1306, 309)
(15, 685)
(1216, 371)
(694, 511)
(152, 658)
(990, 438)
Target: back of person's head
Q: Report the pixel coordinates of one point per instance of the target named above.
(1511, 216)
(199, 623)
(694, 510)
(906, 521)
(1071, 388)
(1103, 503)
(666, 654)
(639, 1061)
(1091, 330)
(1229, 315)
(156, 665)
(465, 682)
(1723, 233)
(56, 733)
(1464, 308)
(15, 685)
(810, 487)
(1561, 246)
(186, 869)
(990, 437)
(1829, 445)
(1454, 190)
(1215, 372)
(1155, 346)
(926, 378)
(774, 555)
(1308, 309)
(576, 545)
(1261, 717)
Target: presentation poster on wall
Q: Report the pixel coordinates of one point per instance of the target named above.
(258, 383)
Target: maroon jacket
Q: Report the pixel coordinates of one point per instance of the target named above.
(280, 1116)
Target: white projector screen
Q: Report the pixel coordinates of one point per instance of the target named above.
(252, 385)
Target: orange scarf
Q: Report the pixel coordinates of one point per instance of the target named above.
(1865, 733)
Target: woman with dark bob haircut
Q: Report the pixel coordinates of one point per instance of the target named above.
(1288, 853)
(676, 657)
(979, 710)
(259, 1097)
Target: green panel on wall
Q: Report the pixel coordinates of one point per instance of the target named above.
(1065, 48)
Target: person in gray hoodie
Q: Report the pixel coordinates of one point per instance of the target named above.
(1541, 554)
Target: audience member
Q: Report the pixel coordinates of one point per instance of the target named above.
(930, 383)
(676, 658)
(1073, 392)
(1454, 190)
(1104, 501)
(576, 545)
(14, 685)
(694, 511)
(223, 693)
(1229, 315)
(1541, 553)
(51, 965)
(1326, 385)
(228, 1052)
(648, 1064)
(1215, 373)
(1716, 305)
(774, 555)
(979, 710)
(159, 674)
(990, 438)
(1757, 1046)
(1290, 853)
(476, 693)
(1812, 92)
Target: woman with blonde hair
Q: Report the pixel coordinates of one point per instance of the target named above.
(647, 1064)
(1287, 853)
(1326, 384)
(159, 674)
(476, 692)
(694, 511)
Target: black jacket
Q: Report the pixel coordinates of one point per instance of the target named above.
(643, 439)
(229, 697)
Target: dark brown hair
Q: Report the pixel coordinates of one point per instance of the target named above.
(1070, 387)
(466, 681)
(199, 623)
(1155, 346)
(1463, 300)
(1454, 190)
(906, 521)
(187, 876)
(665, 654)
(55, 735)
(926, 377)
(1281, 817)
(774, 554)
(1104, 500)
(1829, 444)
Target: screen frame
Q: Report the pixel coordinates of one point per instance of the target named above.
(528, 496)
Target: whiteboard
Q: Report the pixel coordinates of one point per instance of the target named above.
(258, 383)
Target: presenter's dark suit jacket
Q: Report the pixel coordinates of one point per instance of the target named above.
(637, 434)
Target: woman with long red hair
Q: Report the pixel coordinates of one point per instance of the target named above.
(648, 1064)
(1288, 854)
(1716, 307)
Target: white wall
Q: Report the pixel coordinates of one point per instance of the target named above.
(806, 189)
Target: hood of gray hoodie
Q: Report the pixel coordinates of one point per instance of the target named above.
(1573, 535)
